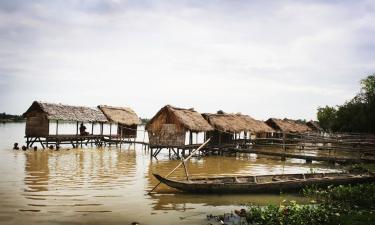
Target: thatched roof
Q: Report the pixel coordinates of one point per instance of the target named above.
(287, 125)
(188, 118)
(121, 115)
(236, 123)
(314, 125)
(66, 112)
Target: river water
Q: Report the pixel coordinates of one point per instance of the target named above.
(109, 185)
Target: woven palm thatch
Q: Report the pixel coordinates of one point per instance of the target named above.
(314, 125)
(235, 123)
(184, 119)
(287, 125)
(121, 115)
(66, 112)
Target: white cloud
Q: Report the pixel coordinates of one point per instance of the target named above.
(264, 59)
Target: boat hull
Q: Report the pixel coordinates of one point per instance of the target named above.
(287, 185)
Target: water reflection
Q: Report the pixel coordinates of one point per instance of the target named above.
(184, 202)
(37, 171)
(79, 169)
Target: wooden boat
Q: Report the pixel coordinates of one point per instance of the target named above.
(264, 183)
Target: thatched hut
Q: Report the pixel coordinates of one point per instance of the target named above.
(126, 119)
(314, 126)
(228, 126)
(169, 126)
(287, 126)
(40, 114)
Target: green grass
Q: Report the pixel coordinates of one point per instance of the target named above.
(346, 205)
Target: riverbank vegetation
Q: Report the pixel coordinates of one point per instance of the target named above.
(350, 204)
(355, 115)
(10, 118)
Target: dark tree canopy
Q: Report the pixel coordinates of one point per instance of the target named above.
(356, 115)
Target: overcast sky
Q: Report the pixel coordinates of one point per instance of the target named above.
(262, 58)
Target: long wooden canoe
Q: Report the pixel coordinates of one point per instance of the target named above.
(264, 183)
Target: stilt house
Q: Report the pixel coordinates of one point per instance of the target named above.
(126, 119)
(314, 126)
(228, 128)
(168, 128)
(40, 114)
(285, 126)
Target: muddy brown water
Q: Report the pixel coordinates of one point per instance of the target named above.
(109, 185)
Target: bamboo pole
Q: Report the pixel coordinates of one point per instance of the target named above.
(183, 161)
(185, 169)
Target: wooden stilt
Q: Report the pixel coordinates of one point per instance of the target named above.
(41, 143)
(196, 150)
(77, 134)
(185, 169)
(92, 130)
(110, 134)
(121, 130)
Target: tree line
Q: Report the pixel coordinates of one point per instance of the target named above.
(10, 118)
(355, 115)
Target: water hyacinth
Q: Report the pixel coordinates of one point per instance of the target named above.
(333, 205)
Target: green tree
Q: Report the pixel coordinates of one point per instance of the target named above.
(356, 115)
(368, 88)
(327, 117)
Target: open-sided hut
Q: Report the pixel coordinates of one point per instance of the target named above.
(314, 126)
(287, 126)
(40, 114)
(169, 126)
(228, 126)
(125, 118)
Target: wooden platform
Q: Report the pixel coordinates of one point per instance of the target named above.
(78, 140)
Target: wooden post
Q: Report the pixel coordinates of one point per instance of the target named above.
(57, 127)
(186, 171)
(196, 138)
(190, 137)
(184, 160)
(92, 130)
(121, 130)
(284, 141)
(110, 134)
(77, 135)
